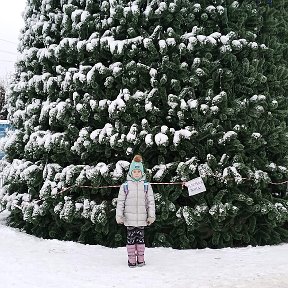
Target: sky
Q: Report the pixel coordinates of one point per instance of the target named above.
(11, 23)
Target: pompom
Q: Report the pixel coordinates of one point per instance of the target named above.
(137, 158)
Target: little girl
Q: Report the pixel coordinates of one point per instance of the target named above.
(135, 209)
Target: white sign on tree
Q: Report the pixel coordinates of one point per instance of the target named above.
(195, 186)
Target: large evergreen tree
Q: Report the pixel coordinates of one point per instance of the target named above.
(197, 87)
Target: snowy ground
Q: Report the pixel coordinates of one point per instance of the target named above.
(29, 262)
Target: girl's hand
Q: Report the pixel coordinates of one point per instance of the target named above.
(119, 220)
(150, 220)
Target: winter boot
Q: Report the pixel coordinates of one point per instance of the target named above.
(131, 249)
(140, 254)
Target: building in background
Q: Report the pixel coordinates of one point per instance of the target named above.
(4, 126)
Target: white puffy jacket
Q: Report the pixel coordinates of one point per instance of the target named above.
(135, 207)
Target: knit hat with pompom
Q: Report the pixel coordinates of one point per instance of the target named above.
(136, 164)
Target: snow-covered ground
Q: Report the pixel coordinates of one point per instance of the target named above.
(30, 262)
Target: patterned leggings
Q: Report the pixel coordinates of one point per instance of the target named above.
(135, 235)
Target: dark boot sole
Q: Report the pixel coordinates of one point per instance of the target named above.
(131, 265)
(141, 264)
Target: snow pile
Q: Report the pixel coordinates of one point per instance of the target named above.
(30, 262)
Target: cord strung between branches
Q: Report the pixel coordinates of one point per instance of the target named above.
(163, 183)
(115, 186)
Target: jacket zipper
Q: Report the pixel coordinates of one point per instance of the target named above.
(137, 203)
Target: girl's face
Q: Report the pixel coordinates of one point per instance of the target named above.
(136, 174)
